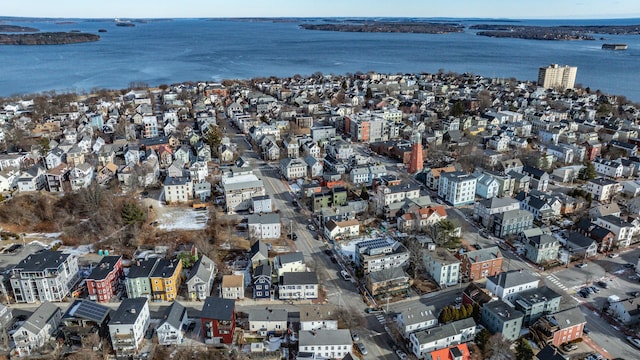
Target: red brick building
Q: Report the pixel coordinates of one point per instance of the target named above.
(105, 279)
(560, 328)
(482, 263)
(218, 318)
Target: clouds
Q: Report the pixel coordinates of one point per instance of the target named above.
(313, 8)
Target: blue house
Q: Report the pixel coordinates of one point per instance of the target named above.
(262, 282)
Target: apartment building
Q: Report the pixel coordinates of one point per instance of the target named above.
(457, 188)
(555, 76)
(45, 276)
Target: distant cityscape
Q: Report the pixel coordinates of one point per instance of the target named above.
(368, 215)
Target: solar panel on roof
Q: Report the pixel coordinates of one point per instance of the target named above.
(92, 311)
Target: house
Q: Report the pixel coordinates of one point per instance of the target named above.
(500, 317)
(324, 344)
(539, 177)
(293, 168)
(259, 254)
(218, 317)
(604, 210)
(414, 317)
(511, 222)
(262, 282)
(268, 321)
(432, 176)
(627, 310)
(138, 281)
(261, 204)
(387, 282)
(45, 276)
(454, 352)
(105, 280)
(482, 263)
(543, 207)
(166, 279)
(541, 248)
(456, 332)
(292, 262)
(172, 325)
(534, 303)
(200, 279)
(232, 286)
(177, 189)
(580, 246)
(314, 166)
(483, 210)
(561, 327)
(487, 187)
(457, 188)
(604, 237)
(9, 181)
(81, 176)
(84, 318)
(507, 284)
(378, 254)
(6, 317)
(298, 286)
(421, 219)
(128, 325)
(622, 230)
(315, 317)
(609, 168)
(239, 190)
(442, 266)
(37, 330)
(264, 226)
(334, 230)
(32, 179)
(602, 189)
(54, 158)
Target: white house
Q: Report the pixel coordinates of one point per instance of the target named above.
(324, 344)
(298, 286)
(128, 325)
(200, 279)
(232, 286)
(315, 317)
(198, 171)
(415, 318)
(487, 186)
(38, 329)
(456, 332)
(507, 284)
(602, 189)
(293, 168)
(172, 325)
(622, 229)
(443, 267)
(177, 189)
(292, 262)
(457, 188)
(264, 226)
(343, 229)
(610, 168)
(268, 320)
(81, 176)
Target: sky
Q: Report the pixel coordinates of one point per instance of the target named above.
(516, 9)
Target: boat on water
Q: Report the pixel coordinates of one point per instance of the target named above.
(124, 23)
(614, 46)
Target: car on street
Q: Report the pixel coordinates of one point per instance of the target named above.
(581, 265)
(401, 354)
(363, 350)
(355, 337)
(613, 255)
(594, 289)
(293, 236)
(372, 310)
(569, 347)
(333, 259)
(634, 341)
(586, 330)
(635, 293)
(327, 251)
(629, 265)
(311, 227)
(602, 284)
(584, 293)
(345, 275)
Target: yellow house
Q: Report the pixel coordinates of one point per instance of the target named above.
(165, 280)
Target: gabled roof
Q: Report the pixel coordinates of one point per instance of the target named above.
(291, 258)
(299, 278)
(482, 255)
(106, 265)
(36, 322)
(512, 278)
(173, 315)
(203, 269)
(259, 248)
(268, 314)
(218, 308)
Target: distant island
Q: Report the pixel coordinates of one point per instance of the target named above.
(17, 29)
(47, 38)
(553, 32)
(389, 27)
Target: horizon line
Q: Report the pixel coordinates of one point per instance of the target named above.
(637, 16)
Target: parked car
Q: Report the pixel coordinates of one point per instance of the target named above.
(595, 289)
(586, 330)
(584, 293)
(629, 265)
(581, 265)
(363, 350)
(401, 354)
(634, 341)
(635, 293)
(569, 347)
(355, 336)
(372, 310)
(333, 259)
(345, 275)
(602, 284)
(613, 255)
(311, 227)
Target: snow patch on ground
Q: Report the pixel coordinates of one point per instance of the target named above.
(77, 250)
(182, 219)
(618, 272)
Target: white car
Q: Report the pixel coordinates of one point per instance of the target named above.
(613, 255)
(634, 341)
(401, 354)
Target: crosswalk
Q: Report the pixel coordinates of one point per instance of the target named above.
(381, 319)
(554, 279)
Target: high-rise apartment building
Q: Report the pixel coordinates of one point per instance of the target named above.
(554, 76)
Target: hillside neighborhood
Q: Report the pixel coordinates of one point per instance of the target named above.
(368, 215)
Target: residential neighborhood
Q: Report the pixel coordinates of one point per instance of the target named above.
(368, 215)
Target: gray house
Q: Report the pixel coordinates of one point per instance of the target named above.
(534, 303)
(200, 280)
(38, 329)
(542, 248)
(173, 324)
(581, 246)
(499, 317)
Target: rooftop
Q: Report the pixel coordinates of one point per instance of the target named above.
(128, 311)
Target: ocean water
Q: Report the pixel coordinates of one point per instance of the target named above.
(180, 50)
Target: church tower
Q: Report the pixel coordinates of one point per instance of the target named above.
(416, 162)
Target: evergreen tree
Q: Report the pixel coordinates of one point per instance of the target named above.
(482, 338)
(523, 350)
(587, 172)
(132, 214)
(364, 193)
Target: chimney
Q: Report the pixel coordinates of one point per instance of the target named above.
(477, 257)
